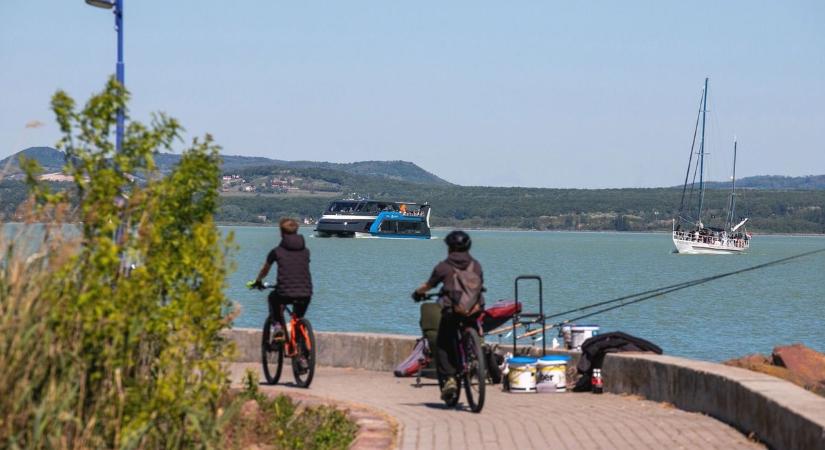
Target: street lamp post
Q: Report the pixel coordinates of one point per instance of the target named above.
(120, 71)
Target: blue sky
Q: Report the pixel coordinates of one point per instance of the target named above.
(547, 94)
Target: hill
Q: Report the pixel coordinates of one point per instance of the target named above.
(255, 187)
(810, 182)
(52, 160)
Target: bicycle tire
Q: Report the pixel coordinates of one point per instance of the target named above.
(272, 359)
(303, 379)
(475, 375)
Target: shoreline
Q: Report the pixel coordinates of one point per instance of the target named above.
(520, 230)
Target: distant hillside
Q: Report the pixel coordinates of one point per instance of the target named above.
(52, 160)
(774, 182)
(396, 170)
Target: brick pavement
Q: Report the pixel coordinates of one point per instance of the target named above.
(569, 420)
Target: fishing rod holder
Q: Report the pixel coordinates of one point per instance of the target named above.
(532, 317)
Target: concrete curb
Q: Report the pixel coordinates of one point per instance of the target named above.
(362, 350)
(777, 412)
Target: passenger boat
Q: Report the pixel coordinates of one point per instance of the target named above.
(690, 235)
(375, 218)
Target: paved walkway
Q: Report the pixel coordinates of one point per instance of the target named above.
(569, 420)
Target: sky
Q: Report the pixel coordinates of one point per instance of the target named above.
(596, 94)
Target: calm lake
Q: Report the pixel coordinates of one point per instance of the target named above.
(365, 285)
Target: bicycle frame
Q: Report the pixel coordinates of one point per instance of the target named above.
(291, 344)
(462, 356)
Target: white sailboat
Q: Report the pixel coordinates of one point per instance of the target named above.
(690, 235)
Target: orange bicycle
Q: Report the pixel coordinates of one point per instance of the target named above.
(298, 345)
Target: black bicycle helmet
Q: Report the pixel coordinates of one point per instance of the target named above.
(458, 241)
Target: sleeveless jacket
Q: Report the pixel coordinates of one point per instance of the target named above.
(294, 279)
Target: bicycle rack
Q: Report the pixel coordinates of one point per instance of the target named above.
(537, 317)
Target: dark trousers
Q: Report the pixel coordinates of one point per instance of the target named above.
(446, 357)
(277, 303)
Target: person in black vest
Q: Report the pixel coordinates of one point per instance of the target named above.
(458, 257)
(294, 282)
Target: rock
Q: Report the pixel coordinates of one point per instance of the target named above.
(804, 362)
(764, 364)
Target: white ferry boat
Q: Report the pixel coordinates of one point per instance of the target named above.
(375, 218)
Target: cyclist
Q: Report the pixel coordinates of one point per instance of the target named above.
(458, 258)
(294, 282)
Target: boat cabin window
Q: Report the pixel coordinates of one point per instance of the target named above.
(400, 227)
(409, 227)
(344, 207)
(388, 226)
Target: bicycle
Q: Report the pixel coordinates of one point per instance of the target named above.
(471, 371)
(298, 344)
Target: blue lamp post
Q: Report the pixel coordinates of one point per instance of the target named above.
(120, 71)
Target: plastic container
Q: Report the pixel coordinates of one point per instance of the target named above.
(552, 373)
(522, 374)
(582, 333)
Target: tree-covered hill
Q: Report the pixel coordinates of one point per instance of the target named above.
(296, 188)
(53, 160)
(781, 211)
(810, 182)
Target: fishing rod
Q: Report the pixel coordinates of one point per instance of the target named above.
(653, 293)
(594, 305)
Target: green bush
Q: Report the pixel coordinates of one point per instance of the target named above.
(110, 338)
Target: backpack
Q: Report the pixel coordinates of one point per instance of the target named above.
(464, 290)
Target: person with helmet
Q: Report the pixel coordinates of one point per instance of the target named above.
(458, 258)
(294, 282)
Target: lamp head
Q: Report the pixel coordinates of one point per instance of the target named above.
(105, 4)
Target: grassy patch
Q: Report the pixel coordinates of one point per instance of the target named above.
(253, 419)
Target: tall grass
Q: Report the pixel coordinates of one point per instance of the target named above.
(40, 375)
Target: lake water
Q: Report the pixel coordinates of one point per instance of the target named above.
(365, 285)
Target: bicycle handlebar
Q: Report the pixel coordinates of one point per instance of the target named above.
(426, 297)
(264, 285)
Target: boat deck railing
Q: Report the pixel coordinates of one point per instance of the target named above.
(693, 236)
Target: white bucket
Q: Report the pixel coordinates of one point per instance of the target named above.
(552, 373)
(582, 333)
(522, 374)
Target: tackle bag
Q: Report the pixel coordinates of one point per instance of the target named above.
(493, 362)
(418, 360)
(498, 314)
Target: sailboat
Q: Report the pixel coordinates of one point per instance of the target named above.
(690, 234)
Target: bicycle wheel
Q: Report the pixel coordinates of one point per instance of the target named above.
(303, 364)
(272, 356)
(454, 400)
(475, 374)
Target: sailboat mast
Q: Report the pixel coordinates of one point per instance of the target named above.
(733, 189)
(702, 152)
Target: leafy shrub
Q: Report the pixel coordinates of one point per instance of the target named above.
(110, 338)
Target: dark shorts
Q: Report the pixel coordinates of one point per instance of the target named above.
(276, 306)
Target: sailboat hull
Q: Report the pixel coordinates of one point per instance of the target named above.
(693, 247)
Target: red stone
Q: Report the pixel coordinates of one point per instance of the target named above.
(804, 362)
